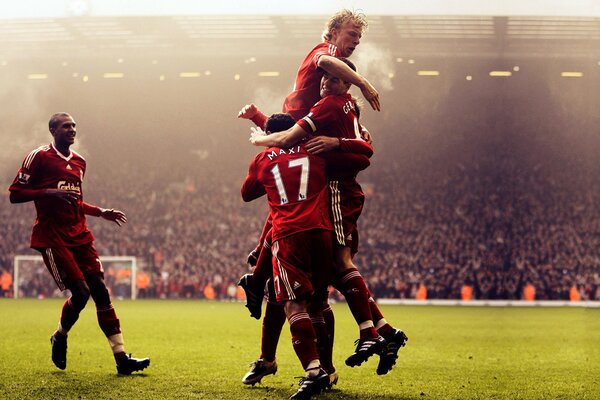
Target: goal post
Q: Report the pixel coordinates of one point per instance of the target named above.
(107, 262)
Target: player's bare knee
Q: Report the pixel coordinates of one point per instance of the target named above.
(296, 306)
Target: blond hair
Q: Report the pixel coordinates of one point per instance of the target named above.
(340, 18)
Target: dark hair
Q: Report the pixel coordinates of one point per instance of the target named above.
(53, 123)
(279, 122)
(348, 63)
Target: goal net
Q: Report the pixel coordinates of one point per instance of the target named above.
(32, 279)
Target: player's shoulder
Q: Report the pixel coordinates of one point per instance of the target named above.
(77, 155)
(332, 101)
(326, 48)
(36, 154)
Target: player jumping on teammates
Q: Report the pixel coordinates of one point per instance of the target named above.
(336, 116)
(51, 176)
(341, 36)
(296, 187)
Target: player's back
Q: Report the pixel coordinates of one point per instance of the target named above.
(336, 116)
(296, 187)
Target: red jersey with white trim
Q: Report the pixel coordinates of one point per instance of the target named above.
(335, 116)
(296, 188)
(58, 222)
(306, 90)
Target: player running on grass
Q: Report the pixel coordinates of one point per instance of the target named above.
(51, 176)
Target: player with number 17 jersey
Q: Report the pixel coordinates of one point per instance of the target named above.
(296, 187)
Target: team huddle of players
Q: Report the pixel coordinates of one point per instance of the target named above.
(314, 152)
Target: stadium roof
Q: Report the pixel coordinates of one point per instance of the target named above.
(103, 8)
(469, 28)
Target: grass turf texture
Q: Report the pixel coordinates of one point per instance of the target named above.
(202, 349)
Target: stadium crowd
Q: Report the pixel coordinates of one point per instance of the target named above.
(491, 223)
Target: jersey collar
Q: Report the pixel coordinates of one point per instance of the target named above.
(67, 159)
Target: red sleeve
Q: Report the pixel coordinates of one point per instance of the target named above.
(318, 116)
(92, 210)
(22, 195)
(260, 120)
(324, 49)
(23, 188)
(356, 146)
(252, 188)
(350, 162)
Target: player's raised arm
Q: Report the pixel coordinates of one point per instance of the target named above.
(338, 68)
(251, 112)
(283, 139)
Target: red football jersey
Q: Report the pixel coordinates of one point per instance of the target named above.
(58, 222)
(296, 187)
(335, 116)
(306, 90)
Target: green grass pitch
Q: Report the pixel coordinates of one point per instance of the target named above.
(202, 349)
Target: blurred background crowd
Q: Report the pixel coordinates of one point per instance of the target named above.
(482, 188)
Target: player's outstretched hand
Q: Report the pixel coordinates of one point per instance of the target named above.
(248, 111)
(256, 135)
(116, 216)
(70, 196)
(371, 95)
(321, 144)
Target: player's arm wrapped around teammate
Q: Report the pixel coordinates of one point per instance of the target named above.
(321, 144)
(283, 139)
(345, 164)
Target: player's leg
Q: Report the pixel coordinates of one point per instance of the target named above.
(345, 211)
(89, 263)
(319, 309)
(352, 285)
(304, 342)
(395, 338)
(254, 283)
(324, 329)
(294, 281)
(274, 317)
(63, 267)
(271, 331)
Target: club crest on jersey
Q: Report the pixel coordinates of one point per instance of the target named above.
(69, 167)
(64, 185)
(23, 178)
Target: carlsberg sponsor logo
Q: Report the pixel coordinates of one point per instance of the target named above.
(64, 185)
